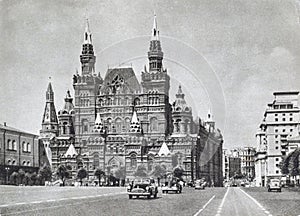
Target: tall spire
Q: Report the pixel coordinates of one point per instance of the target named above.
(87, 33)
(49, 93)
(155, 31)
(49, 122)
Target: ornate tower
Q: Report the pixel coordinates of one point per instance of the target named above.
(87, 57)
(49, 122)
(156, 85)
(66, 117)
(86, 87)
(181, 114)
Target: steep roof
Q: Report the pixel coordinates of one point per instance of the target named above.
(164, 150)
(121, 76)
(71, 151)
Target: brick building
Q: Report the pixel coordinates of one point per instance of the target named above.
(117, 122)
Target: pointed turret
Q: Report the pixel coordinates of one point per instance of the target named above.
(210, 122)
(71, 152)
(98, 127)
(49, 122)
(135, 126)
(182, 114)
(66, 117)
(87, 57)
(155, 54)
(164, 150)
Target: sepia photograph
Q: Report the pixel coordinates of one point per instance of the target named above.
(148, 107)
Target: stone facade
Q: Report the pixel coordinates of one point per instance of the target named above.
(18, 150)
(281, 119)
(117, 122)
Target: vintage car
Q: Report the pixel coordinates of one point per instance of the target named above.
(274, 184)
(145, 188)
(172, 186)
(200, 184)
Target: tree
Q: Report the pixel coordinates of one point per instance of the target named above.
(178, 172)
(290, 165)
(121, 174)
(21, 176)
(62, 173)
(99, 174)
(158, 172)
(14, 178)
(45, 173)
(81, 174)
(141, 171)
(33, 178)
(27, 179)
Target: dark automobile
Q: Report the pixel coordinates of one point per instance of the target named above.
(234, 184)
(146, 188)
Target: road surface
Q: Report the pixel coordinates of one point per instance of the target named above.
(114, 201)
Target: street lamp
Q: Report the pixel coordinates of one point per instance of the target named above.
(7, 169)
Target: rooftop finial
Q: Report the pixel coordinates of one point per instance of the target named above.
(155, 31)
(87, 33)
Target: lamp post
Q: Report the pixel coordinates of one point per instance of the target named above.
(6, 179)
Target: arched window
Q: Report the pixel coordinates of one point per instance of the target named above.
(127, 101)
(153, 124)
(133, 160)
(109, 101)
(186, 125)
(96, 161)
(24, 146)
(118, 125)
(109, 124)
(9, 144)
(137, 101)
(79, 165)
(177, 125)
(127, 124)
(85, 126)
(64, 128)
(28, 163)
(28, 147)
(14, 145)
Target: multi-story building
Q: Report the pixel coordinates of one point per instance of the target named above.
(18, 150)
(247, 161)
(117, 122)
(281, 118)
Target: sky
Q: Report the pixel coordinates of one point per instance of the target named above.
(229, 56)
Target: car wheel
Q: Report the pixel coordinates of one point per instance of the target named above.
(269, 190)
(130, 196)
(279, 190)
(148, 196)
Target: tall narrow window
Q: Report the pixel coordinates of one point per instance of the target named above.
(153, 124)
(133, 160)
(118, 125)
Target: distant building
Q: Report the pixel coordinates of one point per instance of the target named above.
(234, 166)
(18, 150)
(247, 161)
(225, 165)
(281, 118)
(231, 164)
